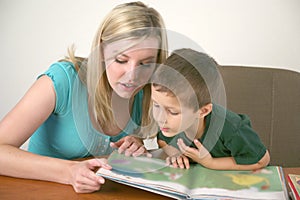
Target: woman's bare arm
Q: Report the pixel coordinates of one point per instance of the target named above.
(20, 123)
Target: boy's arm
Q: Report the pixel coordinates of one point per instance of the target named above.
(168, 149)
(228, 163)
(203, 157)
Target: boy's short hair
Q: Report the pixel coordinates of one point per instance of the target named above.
(190, 75)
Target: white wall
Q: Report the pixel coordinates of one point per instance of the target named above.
(35, 33)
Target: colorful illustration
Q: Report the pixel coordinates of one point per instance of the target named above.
(249, 180)
(153, 173)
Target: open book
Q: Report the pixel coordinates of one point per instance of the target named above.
(153, 175)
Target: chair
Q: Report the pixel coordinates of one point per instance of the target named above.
(271, 98)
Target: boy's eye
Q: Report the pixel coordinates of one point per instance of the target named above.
(146, 64)
(155, 105)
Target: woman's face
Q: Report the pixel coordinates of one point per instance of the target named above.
(130, 70)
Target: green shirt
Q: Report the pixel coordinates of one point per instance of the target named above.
(230, 136)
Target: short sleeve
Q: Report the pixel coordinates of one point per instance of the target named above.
(62, 75)
(245, 145)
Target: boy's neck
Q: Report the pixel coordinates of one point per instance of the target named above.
(200, 127)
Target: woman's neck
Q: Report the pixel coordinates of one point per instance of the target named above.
(121, 109)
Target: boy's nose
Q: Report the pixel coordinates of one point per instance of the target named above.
(162, 118)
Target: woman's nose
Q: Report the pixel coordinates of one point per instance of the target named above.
(132, 70)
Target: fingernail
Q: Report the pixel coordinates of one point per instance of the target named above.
(101, 181)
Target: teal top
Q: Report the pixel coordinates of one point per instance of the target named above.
(68, 133)
(226, 134)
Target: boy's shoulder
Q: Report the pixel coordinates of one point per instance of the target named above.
(231, 119)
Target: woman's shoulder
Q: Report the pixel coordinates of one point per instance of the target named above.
(62, 68)
(61, 72)
(63, 76)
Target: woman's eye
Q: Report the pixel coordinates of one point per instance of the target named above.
(120, 61)
(173, 113)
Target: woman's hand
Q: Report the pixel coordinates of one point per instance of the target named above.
(83, 177)
(130, 145)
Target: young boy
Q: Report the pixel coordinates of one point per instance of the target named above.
(193, 124)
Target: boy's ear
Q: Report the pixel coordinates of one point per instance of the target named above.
(205, 110)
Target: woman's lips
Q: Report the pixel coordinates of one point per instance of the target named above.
(128, 86)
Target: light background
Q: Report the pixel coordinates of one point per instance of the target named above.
(35, 33)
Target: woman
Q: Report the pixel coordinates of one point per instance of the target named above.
(86, 107)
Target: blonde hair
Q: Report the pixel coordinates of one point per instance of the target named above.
(127, 21)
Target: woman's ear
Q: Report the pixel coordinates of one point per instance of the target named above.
(205, 110)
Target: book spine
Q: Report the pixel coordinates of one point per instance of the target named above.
(293, 189)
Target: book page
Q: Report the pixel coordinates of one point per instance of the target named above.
(260, 184)
(150, 172)
(196, 182)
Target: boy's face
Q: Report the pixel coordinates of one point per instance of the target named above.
(171, 116)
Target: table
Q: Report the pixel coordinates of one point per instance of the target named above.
(15, 188)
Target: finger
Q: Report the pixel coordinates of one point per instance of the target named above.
(88, 177)
(92, 179)
(181, 145)
(98, 162)
(93, 165)
(118, 143)
(180, 162)
(87, 181)
(168, 161)
(202, 150)
(185, 150)
(113, 145)
(174, 162)
(186, 162)
(198, 144)
(86, 189)
(84, 185)
(124, 146)
(133, 147)
(140, 151)
(149, 155)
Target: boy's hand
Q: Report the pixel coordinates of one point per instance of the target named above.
(174, 156)
(178, 161)
(199, 155)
